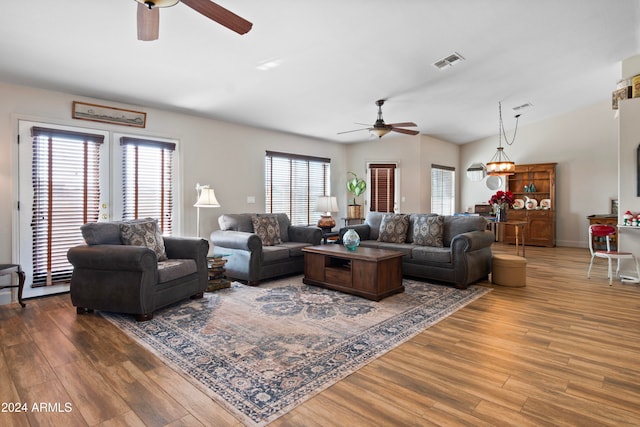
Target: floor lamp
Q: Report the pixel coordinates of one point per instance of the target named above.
(206, 199)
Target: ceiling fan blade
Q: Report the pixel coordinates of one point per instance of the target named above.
(402, 125)
(148, 23)
(349, 131)
(219, 14)
(407, 131)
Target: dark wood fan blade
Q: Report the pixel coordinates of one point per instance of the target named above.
(219, 14)
(402, 125)
(148, 23)
(355, 130)
(407, 131)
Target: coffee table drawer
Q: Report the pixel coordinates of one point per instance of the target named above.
(340, 276)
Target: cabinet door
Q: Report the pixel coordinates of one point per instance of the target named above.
(540, 228)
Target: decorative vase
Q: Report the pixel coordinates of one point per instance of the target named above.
(351, 239)
(501, 213)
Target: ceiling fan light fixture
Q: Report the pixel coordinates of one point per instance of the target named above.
(158, 3)
(380, 132)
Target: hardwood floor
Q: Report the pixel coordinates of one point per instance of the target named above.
(564, 350)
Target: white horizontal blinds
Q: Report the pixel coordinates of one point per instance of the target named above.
(66, 195)
(443, 189)
(147, 181)
(293, 183)
(382, 177)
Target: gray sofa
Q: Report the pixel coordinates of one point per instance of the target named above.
(135, 277)
(249, 259)
(464, 258)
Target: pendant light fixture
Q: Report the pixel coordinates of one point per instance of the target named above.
(500, 163)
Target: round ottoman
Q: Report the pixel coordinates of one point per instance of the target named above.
(509, 270)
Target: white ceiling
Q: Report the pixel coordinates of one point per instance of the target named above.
(337, 57)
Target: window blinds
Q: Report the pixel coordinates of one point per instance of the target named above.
(293, 183)
(147, 181)
(442, 189)
(66, 195)
(382, 177)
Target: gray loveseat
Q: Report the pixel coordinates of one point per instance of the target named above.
(137, 275)
(463, 258)
(252, 261)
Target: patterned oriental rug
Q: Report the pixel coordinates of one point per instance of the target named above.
(261, 351)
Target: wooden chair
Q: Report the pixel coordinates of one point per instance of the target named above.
(606, 231)
(14, 268)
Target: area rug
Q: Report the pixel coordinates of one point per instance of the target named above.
(261, 351)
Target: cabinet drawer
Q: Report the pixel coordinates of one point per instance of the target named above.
(339, 276)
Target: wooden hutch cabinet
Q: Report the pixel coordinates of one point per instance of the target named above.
(538, 182)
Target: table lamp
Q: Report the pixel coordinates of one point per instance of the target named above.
(326, 205)
(206, 199)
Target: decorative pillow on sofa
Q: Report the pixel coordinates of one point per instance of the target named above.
(267, 228)
(144, 233)
(428, 230)
(393, 228)
(101, 233)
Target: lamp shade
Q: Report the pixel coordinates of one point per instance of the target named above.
(326, 204)
(207, 199)
(158, 3)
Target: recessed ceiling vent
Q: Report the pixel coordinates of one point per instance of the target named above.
(521, 108)
(449, 61)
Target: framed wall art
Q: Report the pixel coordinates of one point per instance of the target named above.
(104, 114)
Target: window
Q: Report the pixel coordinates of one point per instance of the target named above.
(382, 187)
(147, 181)
(443, 189)
(292, 184)
(65, 173)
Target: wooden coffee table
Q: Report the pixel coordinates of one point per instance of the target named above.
(367, 272)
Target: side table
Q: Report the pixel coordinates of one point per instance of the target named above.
(217, 279)
(14, 268)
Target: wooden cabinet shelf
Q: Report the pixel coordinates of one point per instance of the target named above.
(541, 223)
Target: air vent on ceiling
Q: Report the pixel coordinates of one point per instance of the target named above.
(524, 106)
(449, 61)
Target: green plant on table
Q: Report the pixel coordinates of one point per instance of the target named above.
(356, 186)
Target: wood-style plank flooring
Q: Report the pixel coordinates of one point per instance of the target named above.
(563, 351)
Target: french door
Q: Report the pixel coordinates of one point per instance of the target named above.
(68, 176)
(63, 182)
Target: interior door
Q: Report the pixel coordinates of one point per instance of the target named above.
(27, 216)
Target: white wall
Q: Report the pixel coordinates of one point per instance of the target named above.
(228, 157)
(414, 155)
(583, 143)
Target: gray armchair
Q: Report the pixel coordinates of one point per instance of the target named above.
(126, 278)
(249, 259)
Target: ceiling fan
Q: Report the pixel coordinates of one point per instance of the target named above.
(149, 16)
(380, 128)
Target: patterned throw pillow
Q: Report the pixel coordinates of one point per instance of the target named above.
(393, 228)
(267, 228)
(144, 233)
(428, 230)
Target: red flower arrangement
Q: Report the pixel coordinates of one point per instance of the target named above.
(502, 198)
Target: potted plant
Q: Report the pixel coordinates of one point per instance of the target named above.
(355, 186)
